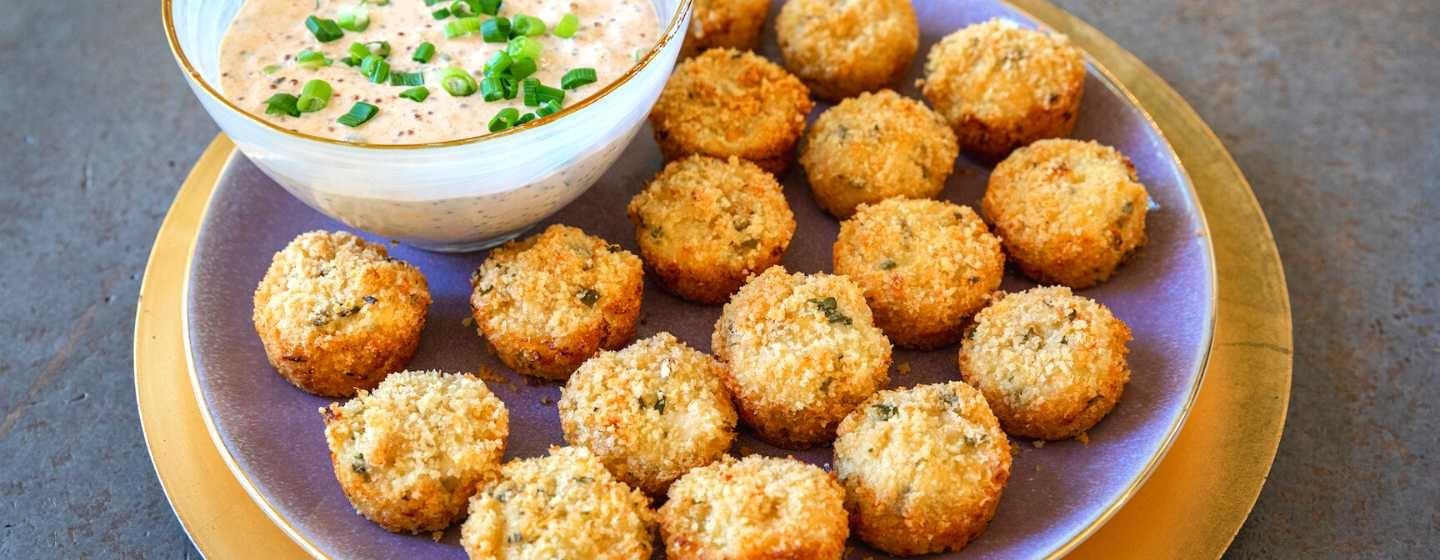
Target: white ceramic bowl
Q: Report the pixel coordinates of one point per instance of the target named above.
(459, 195)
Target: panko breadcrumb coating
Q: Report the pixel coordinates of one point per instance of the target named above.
(704, 225)
(650, 412)
(1068, 211)
(563, 505)
(843, 47)
(730, 103)
(1002, 86)
(734, 24)
(923, 468)
(337, 314)
(755, 508)
(874, 147)
(549, 302)
(411, 453)
(924, 265)
(1050, 363)
(802, 352)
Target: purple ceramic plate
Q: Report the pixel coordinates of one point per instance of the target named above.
(1056, 495)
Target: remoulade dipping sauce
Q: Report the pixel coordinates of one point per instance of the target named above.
(258, 59)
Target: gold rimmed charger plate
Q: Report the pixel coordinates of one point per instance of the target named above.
(1191, 506)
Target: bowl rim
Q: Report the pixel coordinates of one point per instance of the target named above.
(671, 32)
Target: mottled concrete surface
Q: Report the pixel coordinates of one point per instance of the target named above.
(1327, 106)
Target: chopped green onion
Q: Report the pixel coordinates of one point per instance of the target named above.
(498, 64)
(359, 114)
(524, 47)
(352, 61)
(377, 2)
(522, 68)
(314, 97)
(492, 88)
(487, 7)
(311, 60)
(416, 94)
(457, 82)
(567, 26)
(495, 30)
(354, 19)
(537, 93)
(423, 53)
(504, 119)
(324, 30)
(376, 69)
(462, 8)
(527, 117)
(381, 48)
(433, 2)
(529, 26)
(577, 77)
(282, 104)
(358, 51)
(462, 26)
(441, 13)
(549, 107)
(407, 78)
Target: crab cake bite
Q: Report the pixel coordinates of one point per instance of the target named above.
(734, 24)
(1068, 211)
(704, 225)
(924, 265)
(650, 412)
(1001, 86)
(550, 301)
(873, 147)
(802, 352)
(923, 468)
(411, 453)
(563, 505)
(730, 103)
(337, 314)
(842, 47)
(756, 507)
(1050, 363)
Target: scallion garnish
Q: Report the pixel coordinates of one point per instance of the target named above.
(504, 119)
(577, 77)
(416, 94)
(567, 26)
(282, 104)
(549, 107)
(358, 51)
(487, 7)
(379, 48)
(441, 13)
(524, 47)
(324, 30)
(314, 97)
(376, 69)
(433, 2)
(522, 68)
(537, 93)
(457, 82)
(398, 78)
(498, 64)
(311, 60)
(492, 88)
(423, 53)
(495, 30)
(461, 8)
(527, 117)
(355, 18)
(359, 114)
(529, 26)
(462, 26)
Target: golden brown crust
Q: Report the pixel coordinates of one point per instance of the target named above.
(549, 302)
(335, 313)
(1069, 212)
(730, 103)
(802, 352)
(704, 225)
(733, 24)
(873, 147)
(841, 49)
(1001, 86)
(923, 468)
(411, 453)
(925, 266)
(755, 508)
(1050, 363)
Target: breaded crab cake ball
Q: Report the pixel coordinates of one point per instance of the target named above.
(704, 225)
(757, 507)
(730, 103)
(802, 352)
(549, 302)
(924, 265)
(1050, 363)
(650, 412)
(733, 24)
(842, 47)
(876, 146)
(1068, 211)
(563, 505)
(411, 453)
(1001, 86)
(923, 468)
(336, 313)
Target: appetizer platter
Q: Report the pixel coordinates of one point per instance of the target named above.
(826, 303)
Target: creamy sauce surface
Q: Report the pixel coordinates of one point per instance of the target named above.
(257, 60)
